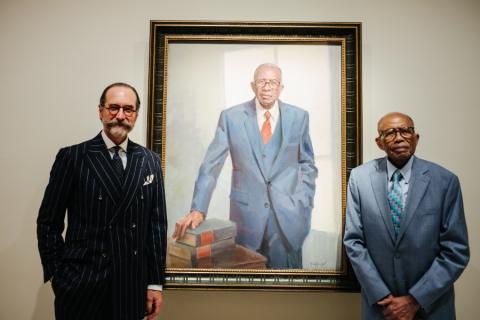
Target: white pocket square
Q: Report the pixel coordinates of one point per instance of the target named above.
(148, 179)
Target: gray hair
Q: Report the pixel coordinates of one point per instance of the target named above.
(267, 65)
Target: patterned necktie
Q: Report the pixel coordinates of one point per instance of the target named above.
(395, 200)
(117, 163)
(266, 128)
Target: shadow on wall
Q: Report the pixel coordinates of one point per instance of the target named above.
(44, 303)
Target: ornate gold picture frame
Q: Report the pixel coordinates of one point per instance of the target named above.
(198, 69)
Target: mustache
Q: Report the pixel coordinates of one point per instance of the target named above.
(122, 123)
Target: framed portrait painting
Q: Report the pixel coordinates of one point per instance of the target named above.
(197, 71)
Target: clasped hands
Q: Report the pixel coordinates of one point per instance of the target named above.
(399, 308)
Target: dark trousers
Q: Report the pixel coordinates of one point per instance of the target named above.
(80, 301)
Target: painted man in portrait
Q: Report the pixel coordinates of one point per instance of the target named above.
(273, 177)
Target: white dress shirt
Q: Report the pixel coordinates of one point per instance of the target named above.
(274, 115)
(123, 148)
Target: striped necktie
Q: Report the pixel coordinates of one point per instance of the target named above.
(395, 200)
(117, 163)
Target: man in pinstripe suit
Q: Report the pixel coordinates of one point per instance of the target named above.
(111, 263)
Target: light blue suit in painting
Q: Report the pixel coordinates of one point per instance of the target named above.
(430, 251)
(278, 191)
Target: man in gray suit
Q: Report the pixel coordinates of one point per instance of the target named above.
(405, 232)
(273, 178)
(110, 265)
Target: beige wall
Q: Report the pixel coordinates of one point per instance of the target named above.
(420, 57)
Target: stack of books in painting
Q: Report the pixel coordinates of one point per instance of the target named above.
(199, 246)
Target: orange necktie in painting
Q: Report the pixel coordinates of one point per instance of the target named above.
(266, 128)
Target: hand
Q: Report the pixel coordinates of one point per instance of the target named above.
(154, 301)
(399, 308)
(191, 220)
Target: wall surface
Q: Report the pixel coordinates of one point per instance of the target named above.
(419, 57)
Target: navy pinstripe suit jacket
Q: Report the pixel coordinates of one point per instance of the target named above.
(116, 236)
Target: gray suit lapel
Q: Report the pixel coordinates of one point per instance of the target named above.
(378, 179)
(251, 126)
(286, 126)
(418, 185)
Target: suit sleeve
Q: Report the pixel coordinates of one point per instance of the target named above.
(365, 270)
(454, 250)
(211, 167)
(50, 221)
(157, 235)
(307, 162)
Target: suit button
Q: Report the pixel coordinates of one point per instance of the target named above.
(269, 183)
(109, 227)
(134, 225)
(135, 252)
(397, 255)
(104, 255)
(266, 205)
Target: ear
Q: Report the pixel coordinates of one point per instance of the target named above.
(252, 85)
(380, 144)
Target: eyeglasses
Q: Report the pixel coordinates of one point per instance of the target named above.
(115, 108)
(391, 133)
(263, 82)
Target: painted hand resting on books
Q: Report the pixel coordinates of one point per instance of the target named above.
(192, 220)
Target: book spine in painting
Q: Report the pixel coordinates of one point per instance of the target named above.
(208, 236)
(195, 253)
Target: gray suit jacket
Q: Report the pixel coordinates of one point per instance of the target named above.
(429, 253)
(287, 187)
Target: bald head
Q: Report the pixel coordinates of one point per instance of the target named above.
(271, 66)
(389, 116)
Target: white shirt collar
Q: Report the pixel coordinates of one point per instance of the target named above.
(406, 170)
(110, 144)
(274, 111)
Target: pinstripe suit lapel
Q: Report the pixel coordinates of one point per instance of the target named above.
(133, 177)
(98, 159)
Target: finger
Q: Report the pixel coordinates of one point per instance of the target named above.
(178, 228)
(387, 312)
(184, 227)
(383, 302)
(155, 311)
(175, 232)
(149, 305)
(196, 222)
(157, 305)
(386, 301)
